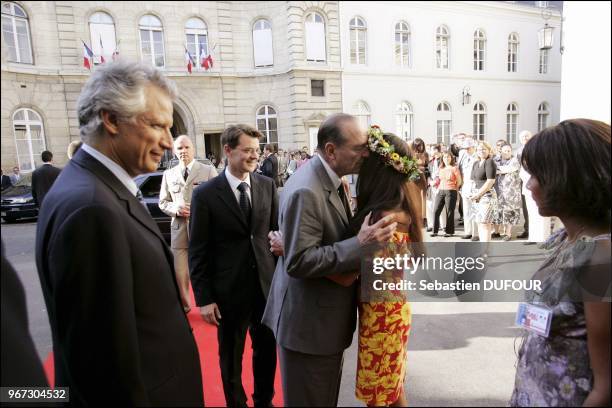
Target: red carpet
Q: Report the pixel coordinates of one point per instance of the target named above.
(206, 339)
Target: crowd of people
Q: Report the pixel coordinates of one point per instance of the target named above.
(286, 268)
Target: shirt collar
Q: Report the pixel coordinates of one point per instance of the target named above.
(114, 168)
(235, 181)
(332, 174)
(189, 166)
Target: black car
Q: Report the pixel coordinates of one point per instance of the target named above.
(149, 185)
(17, 201)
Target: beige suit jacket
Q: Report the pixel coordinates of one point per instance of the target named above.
(175, 191)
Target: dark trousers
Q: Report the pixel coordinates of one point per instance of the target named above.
(525, 214)
(460, 208)
(446, 198)
(231, 335)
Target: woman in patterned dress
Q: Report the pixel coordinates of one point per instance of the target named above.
(569, 165)
(508, 187)
(384, 325)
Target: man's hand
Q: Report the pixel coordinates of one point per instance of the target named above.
(276, 243)
(380, 232)
(184, 210)
(210, 314)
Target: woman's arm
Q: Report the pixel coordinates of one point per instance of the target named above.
(512, 166)
(486, 187)
(598, 341)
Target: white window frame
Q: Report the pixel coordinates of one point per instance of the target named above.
(402, 49)
(262, 36)
(543, 113)
(513, 50)
(196, 46)
(361, 110)
(269, 112)
(541, 4)
(543, 61)
(480, 50)
(442, 44)
(444, 123)
(150, 29)
(13, 17)
(404, 121)
(312, 19)
(512, 117)
(95, 33)
(358, 35)
(28, 122)
(479, 121)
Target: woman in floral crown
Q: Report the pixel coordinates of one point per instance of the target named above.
(388, 184)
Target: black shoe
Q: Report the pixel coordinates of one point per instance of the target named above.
(474, 239)
(429, 229)
(495, 235)
(433, 234)
(468, 236)
(524, 235)
(448, 235)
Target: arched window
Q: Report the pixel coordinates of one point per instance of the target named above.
(102, 34)
(196, 36)
(402, 44)
(266, 120)
(29, 138)
(362, 111)
(444, 123)
(442, 46)
(263, 54)
(315, 38)
(16, 33)
(543, 116)
(512, 115)
(152, 40)
(513, 43)
(479, 120)
(480, 42)
(404, 120)
(357, 32)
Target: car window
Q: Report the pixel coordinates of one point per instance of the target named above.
(151, 187)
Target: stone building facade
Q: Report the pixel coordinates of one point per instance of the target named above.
(40, 85)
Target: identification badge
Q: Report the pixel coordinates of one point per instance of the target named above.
(536, 319)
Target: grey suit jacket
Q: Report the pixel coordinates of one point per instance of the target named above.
(175, 191)
(306, 311)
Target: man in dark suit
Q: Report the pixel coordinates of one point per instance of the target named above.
(230, 263)
(6, 181)
(269, 167)
(43, 178)
(120, 336)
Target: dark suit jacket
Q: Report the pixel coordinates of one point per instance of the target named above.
(269, 168)
(42, 180)
(224, 253)
(6, 182)
(120, 336)
(21, 366)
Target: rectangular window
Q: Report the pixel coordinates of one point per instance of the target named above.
(106, 33)
(511, 128)
(317, 87)
(262, 44)
(543, 61)
(443, 131)
(315, 41)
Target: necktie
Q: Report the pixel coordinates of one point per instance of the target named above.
(345, 202)
(245, 204)
(186, 174)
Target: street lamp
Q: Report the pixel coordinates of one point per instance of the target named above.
(465, 96)
(545, 35)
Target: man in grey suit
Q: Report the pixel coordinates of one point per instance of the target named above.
(175, 200)
(312, 316)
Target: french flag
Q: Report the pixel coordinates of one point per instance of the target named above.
(188, 60)
(87, 56)
(101, 52)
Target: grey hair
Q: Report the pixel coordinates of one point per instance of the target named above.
(117, 88)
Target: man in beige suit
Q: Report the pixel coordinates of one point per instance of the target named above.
(175, 200)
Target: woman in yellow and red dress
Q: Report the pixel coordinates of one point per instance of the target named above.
(387, 184)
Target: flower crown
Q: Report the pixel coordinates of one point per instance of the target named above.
(402, 164)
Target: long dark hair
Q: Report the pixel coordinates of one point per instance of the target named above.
(381, 188)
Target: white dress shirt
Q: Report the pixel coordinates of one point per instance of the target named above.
(234, 182)
(332, 174)
(114, 168)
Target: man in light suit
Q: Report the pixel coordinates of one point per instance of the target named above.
(105, 270)
(175, 200)
(312, 316)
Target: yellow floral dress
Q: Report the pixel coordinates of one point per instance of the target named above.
(383, 340)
